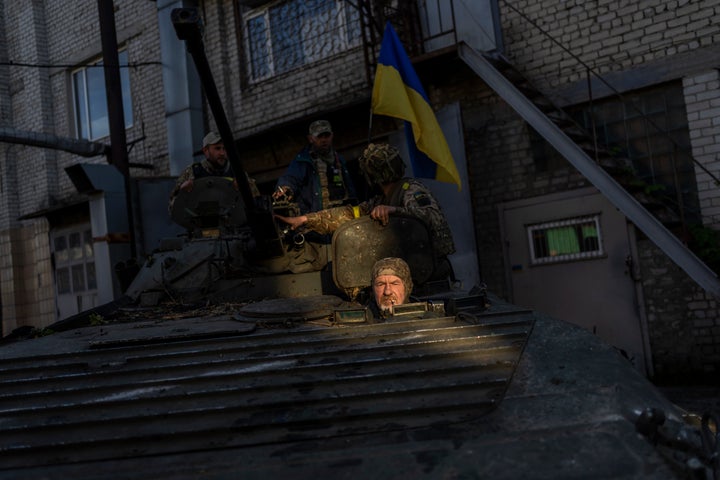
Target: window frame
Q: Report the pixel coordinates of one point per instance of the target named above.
(342, 35)
(626, 127)
(537, 260)
(67, 260)
(81, 105)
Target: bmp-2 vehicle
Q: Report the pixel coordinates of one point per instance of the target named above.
(284, 375)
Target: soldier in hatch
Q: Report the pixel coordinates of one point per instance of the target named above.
(391, 285)
(381, 164)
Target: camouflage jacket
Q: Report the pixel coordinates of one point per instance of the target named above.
(411, 197)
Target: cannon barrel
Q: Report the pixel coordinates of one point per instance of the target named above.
(188, 27)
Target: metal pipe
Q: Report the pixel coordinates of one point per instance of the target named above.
(116, 116)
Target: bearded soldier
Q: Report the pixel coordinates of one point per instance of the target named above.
(391, 285)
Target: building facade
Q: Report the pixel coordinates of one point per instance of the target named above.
(641, 77)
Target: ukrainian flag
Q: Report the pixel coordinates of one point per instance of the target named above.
(397, 92)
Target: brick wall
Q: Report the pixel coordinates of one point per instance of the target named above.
(683, 320)
(332, 83)
(702, 101)
(606, 35)
(74, 36)
(56, 36)
(26, 277)
(60, 35)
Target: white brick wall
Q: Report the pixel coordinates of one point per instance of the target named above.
(702, 100)
(332, 83)
(57, 36)
(609, 36)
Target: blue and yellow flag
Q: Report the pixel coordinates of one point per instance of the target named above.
(398, 93)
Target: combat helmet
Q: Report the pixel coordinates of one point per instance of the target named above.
(381, 163)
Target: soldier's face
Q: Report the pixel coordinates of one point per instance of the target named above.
(322, 142)
(216, 154)
(389, 290)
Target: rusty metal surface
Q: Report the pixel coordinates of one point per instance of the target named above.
(217, 398)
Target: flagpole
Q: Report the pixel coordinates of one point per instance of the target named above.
(370, 125)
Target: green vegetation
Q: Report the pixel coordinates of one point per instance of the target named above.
(96, 319)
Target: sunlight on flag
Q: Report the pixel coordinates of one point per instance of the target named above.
(398, 93)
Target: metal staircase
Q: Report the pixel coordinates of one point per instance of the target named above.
(574, 144)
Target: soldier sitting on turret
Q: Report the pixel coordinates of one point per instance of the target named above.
(215, 164)
(382, 165)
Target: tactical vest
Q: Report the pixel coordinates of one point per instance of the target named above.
(200, 172)
(332, 185)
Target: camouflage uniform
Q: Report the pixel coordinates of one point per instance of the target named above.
(381, 164)
(410, 197)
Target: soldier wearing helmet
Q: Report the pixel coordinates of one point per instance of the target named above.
(382, 166)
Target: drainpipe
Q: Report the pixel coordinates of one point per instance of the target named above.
(184, 117)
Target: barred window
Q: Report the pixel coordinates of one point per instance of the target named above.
(293, 33)
(565, 240)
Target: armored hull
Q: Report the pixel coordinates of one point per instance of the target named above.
(492, 392)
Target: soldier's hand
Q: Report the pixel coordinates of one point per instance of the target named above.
(283, 193)
(187, 185)
(382, 213)
(294, 222)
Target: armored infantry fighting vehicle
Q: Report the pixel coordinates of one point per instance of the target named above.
(285, 375)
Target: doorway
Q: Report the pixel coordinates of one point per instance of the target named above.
(570, 256)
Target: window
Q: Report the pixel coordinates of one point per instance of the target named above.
(74, 261)
(565, 240)
(650, 128)
(293, 33)
(647, 127)
(91, 116)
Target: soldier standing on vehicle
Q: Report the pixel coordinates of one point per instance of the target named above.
(215, 164)
(317, 177)
(382, 165)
